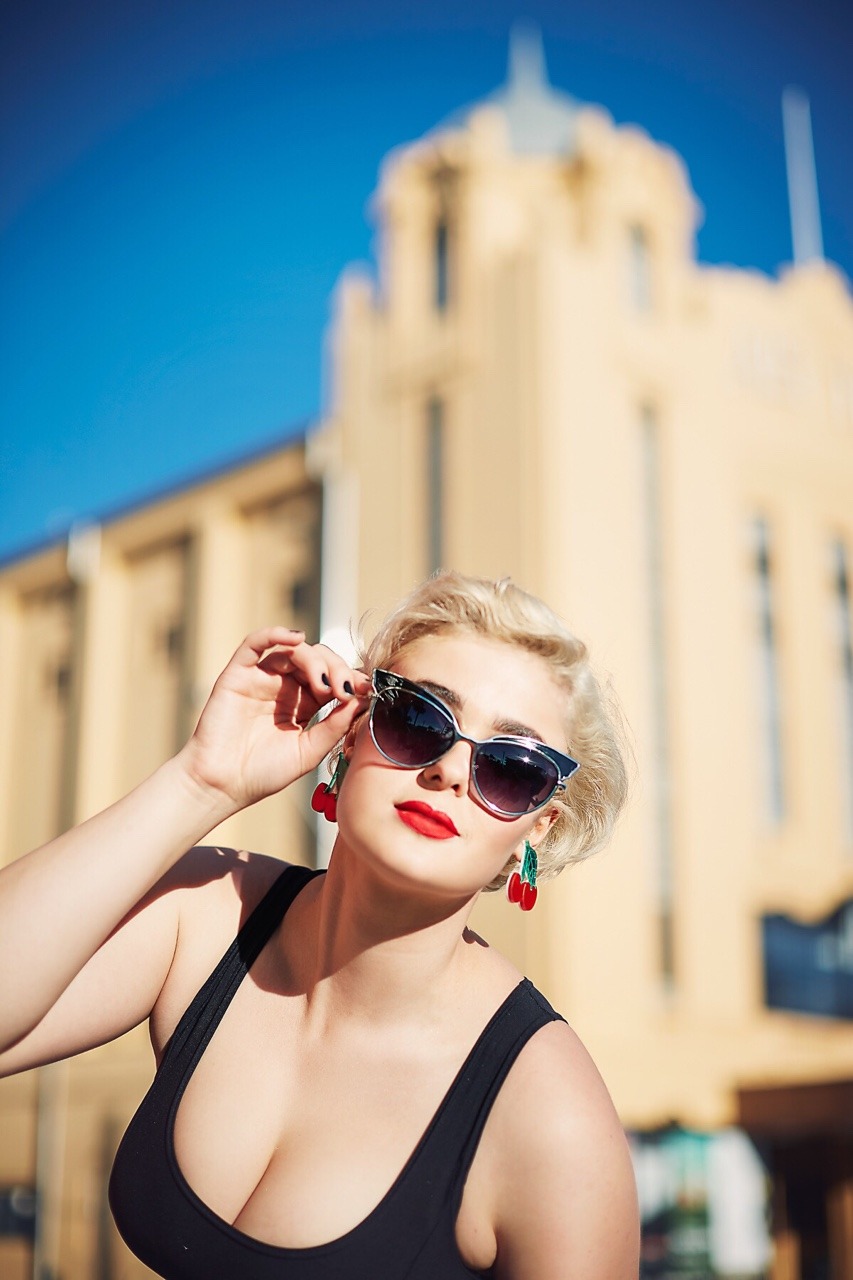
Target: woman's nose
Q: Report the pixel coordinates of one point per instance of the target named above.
(453, 769)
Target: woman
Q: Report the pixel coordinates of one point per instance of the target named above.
(385, 1096)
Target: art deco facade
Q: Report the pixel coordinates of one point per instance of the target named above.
(541, 382)
(544, 383)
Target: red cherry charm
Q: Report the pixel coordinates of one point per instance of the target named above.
(318, 799)
(528, 897)
(514, 888)
(330, 808)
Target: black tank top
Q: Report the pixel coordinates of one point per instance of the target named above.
(410, 1235)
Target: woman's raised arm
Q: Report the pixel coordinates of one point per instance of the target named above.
(62, 903)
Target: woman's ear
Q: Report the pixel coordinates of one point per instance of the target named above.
(540, 828)
(349, 739)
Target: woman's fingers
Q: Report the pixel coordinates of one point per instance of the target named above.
(302, 679)
(257, 643)
(327, 673)
(325, 734)
(317, 667)
(257, 731)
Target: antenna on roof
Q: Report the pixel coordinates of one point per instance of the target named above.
(802, 179)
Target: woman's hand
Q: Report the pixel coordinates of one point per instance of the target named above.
(255, 734)
(101, 888)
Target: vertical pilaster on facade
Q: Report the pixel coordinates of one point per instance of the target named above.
(839, 574)
(339, 610)
(42, 705)
(102, 685)
(340, 582)
(10, 659)
(219, 574)
(218, 570)
(340, 536)
(51, 1184)
(659, 761)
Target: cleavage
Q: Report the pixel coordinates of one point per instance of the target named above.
(295, 1142)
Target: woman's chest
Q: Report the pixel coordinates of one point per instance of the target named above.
(296, 1138)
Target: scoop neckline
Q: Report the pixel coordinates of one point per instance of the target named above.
(338, 1242)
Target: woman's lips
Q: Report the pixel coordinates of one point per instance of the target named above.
(426, 821)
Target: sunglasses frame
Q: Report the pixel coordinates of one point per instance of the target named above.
(383, 681)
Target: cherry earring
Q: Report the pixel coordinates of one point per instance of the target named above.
(521, 886)
(325, 797)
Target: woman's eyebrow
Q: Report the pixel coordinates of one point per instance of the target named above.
(518, 730)
(512, 727)
(439, 691)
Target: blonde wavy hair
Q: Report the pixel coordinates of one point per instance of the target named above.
(452, 603)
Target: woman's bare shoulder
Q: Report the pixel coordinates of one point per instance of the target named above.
(565, 1196)
(235, 871)
(217, 890)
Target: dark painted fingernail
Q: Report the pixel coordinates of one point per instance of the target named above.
(348, 688)
(326, 681)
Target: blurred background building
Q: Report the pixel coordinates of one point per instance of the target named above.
(540, 381)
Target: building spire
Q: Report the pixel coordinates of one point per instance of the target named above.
(526, 72)
(541, 120)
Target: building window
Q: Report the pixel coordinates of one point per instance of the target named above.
(435, 483)
(443, 181)
(59, 680)
(663, 888)
(172, 640)
(844, 641)
(441, 264)
(158, 709)
(640, 268)
(44, 711)
(768, 672)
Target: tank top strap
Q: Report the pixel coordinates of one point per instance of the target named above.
(451, 1141)
(207, 1009)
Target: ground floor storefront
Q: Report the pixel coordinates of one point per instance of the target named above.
(805, 1133)
(769, 1198)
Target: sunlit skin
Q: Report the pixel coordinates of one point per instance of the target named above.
(392, 893)
(340, 1043)
(493, 685)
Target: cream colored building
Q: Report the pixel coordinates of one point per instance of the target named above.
(542, 382)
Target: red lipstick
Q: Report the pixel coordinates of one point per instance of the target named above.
(426, 821)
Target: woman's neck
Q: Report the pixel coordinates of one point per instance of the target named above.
(372, 952)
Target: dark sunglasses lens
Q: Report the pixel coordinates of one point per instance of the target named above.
(408, 729)
(513, 778)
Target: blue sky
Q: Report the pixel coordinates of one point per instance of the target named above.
(185, 180)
